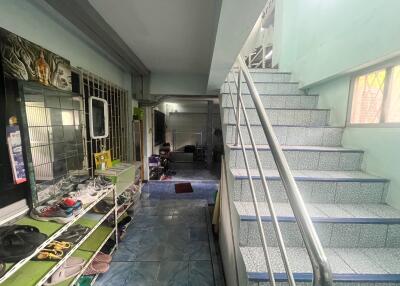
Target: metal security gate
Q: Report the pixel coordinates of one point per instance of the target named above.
(117, 98)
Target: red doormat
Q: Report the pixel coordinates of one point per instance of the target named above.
(183, 188)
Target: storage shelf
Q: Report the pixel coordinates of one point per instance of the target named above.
(25, 271)
(89, 249)
(37, 272)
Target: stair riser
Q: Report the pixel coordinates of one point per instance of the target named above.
(267, 88)
(337, 235)
(275, 101)
(335, 283)
(301, 160)
(266, 76)
(315, 191)
(288, 135)
(282, 117)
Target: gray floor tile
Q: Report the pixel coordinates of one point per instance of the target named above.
(174, 273)
(200, 273)
(117, 274)
(199, 250)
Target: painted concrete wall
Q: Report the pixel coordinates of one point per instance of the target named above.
(381, 145)
(318, 39)
(323, 43)
(177, 84)
(49, 30)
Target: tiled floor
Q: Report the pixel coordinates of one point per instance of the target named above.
(194, 171)
(167, 244)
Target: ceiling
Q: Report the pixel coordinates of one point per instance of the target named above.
(170, 36)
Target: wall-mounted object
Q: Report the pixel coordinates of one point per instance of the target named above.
(53, 124)
(98, 118)
(24, 60)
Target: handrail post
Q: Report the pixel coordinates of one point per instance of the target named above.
(322, 274)
(239, 92)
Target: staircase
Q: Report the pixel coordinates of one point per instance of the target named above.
(359, 232)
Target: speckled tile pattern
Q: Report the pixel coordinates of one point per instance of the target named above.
(336, 229)
(359, 232)
(166, 244)
(342, 260)
(312, 159)
(278, 116)
(291, 135)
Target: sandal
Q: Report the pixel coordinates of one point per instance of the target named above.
(96, 268)
(102, 257)
(50, 254)
(19, 241)
(59, 245)
(70, 268)
(74, 234)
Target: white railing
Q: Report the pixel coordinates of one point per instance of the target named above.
(257, 49)
(322, 274)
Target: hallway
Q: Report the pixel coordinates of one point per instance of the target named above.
(167, 244)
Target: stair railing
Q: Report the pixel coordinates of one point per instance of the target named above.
(322, 274)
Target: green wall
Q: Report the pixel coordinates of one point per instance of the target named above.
(323, 43)
(318, 39)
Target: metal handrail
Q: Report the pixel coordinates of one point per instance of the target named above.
(252, 190)
(267, 193)
(322, 274)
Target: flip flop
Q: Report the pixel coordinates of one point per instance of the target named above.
(102, 257)
(74, 261)
(96, 268)
(69, 269)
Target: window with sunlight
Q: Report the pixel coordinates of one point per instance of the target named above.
(376, 97)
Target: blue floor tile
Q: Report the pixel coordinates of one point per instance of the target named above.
(200, 273)
(167, 243)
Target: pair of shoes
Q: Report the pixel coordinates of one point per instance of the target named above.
(19, 241)
(55, 250)
(108, 246)
(53, 213)
(71, 267)
(85, 193)
(100, 264)
(102, 207)
(67, 203)
(74, 234)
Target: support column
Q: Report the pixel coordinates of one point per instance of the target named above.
(209, 134)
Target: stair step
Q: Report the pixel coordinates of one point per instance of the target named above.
(275, 101)
(300, 157)
(315, 186)
(265, 75)
(267, 87)
(281, 116)
(362, 266)
(337, 225)
(290, 135)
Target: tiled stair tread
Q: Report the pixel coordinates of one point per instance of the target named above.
(327, 212)
(356, 261)
(267, 81)
(265, 70)
(295, 126)
(283, 108)
(244, 93)
(299, 148)
(304, 175)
